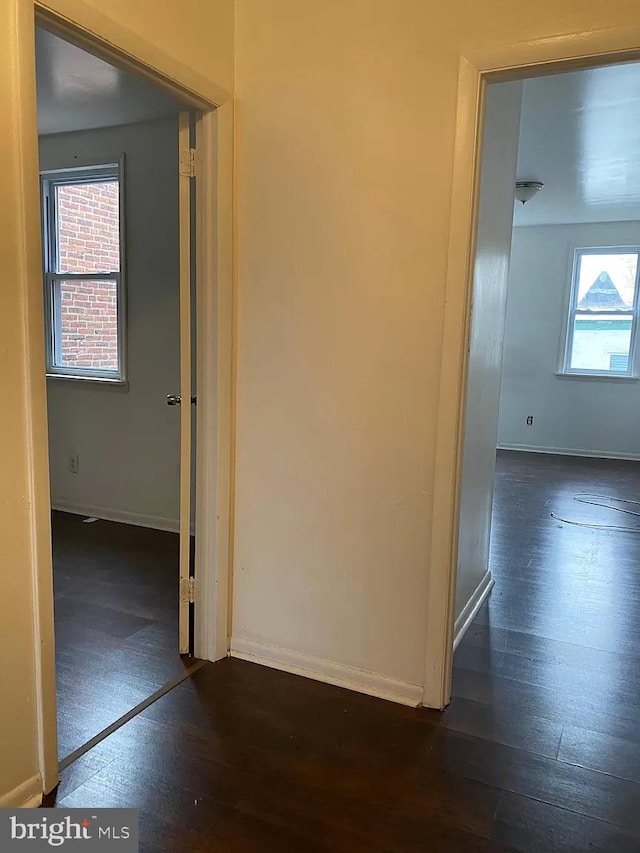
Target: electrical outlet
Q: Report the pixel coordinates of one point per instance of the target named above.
(74, 462)
(530, 420)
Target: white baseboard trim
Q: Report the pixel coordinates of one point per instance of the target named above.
(27, 795)
(330, 672)
(570, 451)
(471, 608)
(122, 516)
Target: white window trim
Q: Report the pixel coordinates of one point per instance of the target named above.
(49, 180)
(566, 372)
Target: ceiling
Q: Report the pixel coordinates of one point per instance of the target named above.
(78, 91)
(580, 136)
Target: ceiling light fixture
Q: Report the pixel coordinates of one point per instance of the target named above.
(525, 190)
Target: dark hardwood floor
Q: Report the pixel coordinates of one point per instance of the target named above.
(116, 621)
(538, 751)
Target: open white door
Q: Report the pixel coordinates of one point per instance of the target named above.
(185, 400)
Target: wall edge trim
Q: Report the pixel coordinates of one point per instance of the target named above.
(155, 522)
(569, 451)
(327, 671)
(26, 795)
(471, 608)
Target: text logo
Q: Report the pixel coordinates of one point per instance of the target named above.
(69, 829)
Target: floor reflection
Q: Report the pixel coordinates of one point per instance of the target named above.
(558, 641)
(116, 621)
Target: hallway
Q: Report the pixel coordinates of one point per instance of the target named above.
(538, 751)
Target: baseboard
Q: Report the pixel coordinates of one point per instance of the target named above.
(330, 672)
(471, 608)
(27, 795)
(122, 516)
(569, 451)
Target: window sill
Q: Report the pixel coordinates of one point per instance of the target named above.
(599, 377)
(119, 384)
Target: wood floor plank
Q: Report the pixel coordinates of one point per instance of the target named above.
(589, 709)
(573, 788)
(534, 827)
(498, 724)
(599, 751)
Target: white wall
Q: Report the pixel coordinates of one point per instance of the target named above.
(571, 415)
(345, 124)
(340, 293)
(127, 439)
(491, 273)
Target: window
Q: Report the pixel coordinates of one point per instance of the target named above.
(84, 290)
(603, 312)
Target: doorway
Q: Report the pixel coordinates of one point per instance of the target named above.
(557, 631)
(478, 68)
(112, 186)
(205, 215)
(115, 41)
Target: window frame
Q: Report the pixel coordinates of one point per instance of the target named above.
(571, 311)
(49, 180)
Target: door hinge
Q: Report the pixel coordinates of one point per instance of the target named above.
(188, 164)
(188, 590)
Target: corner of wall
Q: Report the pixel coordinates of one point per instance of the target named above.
(327, 671)
(26, 795)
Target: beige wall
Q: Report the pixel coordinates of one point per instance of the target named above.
(18, 730)
(345, 131)
(198, 33)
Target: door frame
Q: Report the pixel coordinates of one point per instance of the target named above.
(103, 37)
(477, 67)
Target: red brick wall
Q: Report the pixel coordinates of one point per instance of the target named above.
(89, 320)
(89, 241)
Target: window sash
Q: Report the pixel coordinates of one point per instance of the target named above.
(621, 312)
(54, 326)
(574, 312)
(112, 172)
